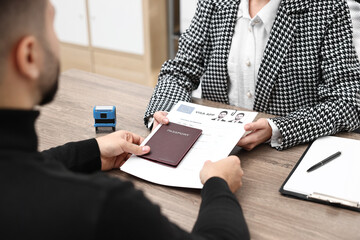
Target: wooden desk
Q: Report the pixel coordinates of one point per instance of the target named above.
(269, 214)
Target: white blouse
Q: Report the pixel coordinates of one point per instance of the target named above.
(246, 53)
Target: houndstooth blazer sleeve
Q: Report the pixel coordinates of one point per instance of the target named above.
(334, 105)
(180, 76)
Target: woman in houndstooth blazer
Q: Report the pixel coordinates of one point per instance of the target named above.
(309, 74)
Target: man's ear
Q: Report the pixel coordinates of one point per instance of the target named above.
(27, 57)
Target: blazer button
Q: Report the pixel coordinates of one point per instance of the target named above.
(249, 95)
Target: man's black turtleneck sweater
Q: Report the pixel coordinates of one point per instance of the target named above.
(58, 194)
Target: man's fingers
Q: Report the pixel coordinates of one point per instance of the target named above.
(135, 149)
(140, 140)
(136, 139)
(132, 137)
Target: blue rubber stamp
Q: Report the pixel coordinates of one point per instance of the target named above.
(105, 117)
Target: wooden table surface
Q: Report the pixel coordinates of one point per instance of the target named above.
(269, 214)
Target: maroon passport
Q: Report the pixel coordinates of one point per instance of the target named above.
(170, 143)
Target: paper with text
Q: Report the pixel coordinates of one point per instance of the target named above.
(339, 178)
(222, 129)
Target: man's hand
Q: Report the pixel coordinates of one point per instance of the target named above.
(160, 117)
(228, 169)
(260, 131)
(117, 147)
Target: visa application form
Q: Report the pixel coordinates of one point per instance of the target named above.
(222, 129)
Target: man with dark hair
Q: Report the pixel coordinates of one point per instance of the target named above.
(18, 18)
(58, 194)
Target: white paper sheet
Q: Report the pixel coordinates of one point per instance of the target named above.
(219, 137)
(339, 178)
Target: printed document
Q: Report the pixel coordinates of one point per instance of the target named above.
(222, 129)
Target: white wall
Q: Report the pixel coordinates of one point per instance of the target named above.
(114, 24)
(187, 12)
(355, 15)
(117, 25)
(71, 22)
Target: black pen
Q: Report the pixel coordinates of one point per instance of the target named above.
(325, 161)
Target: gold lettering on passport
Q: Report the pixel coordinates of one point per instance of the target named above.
(178, 133)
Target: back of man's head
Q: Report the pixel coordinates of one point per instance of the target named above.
(19, 18)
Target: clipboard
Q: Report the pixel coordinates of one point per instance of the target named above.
(346, 194)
